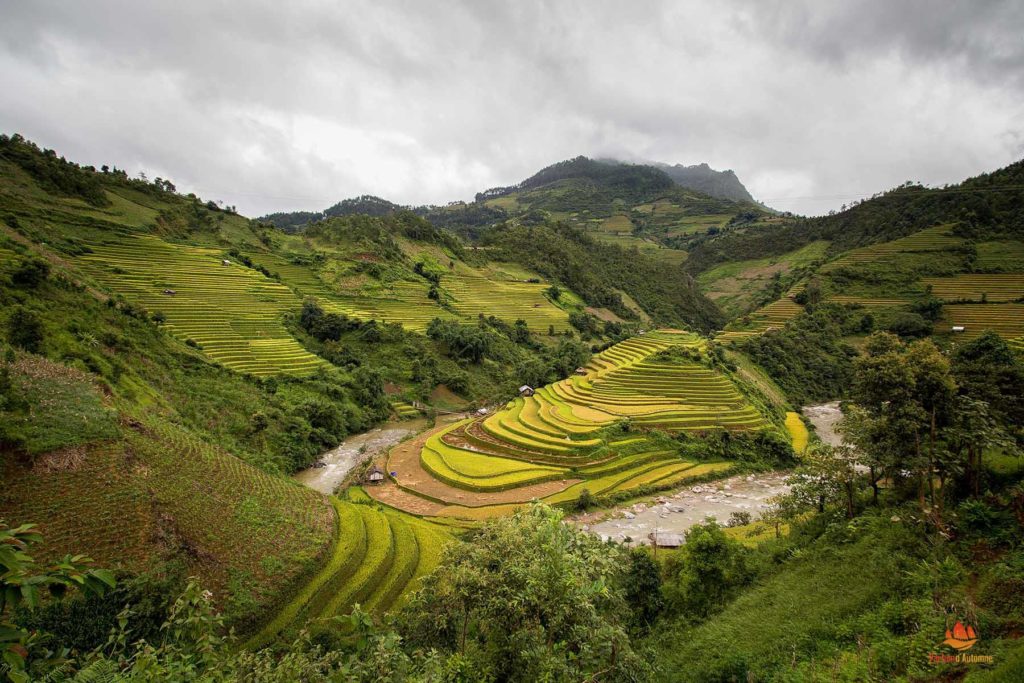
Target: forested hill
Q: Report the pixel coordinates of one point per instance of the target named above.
(369, 205)
(630, 181)
(989, 205)
(603, 273)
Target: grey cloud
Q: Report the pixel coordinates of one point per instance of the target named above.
(273, 106)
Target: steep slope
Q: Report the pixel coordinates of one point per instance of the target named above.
(703, 178)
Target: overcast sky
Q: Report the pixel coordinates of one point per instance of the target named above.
(295, 105)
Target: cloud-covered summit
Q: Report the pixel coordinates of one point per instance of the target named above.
(277, 106)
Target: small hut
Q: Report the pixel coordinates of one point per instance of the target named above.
(225, 262)
(170, 292)
(581, 371)
(481, 411)
(526, 390)
(375, 476)
(959, 329)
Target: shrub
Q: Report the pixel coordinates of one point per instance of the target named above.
(25, 329)
(31, 273)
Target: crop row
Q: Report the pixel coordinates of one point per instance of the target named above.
(1006, 320)
(233, 313)
(974, 287)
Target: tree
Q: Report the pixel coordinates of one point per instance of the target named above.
(22, 581)
(712, 566)
(642, 590)
(988, 370)
(827, 474)
(528, 598)
(555, 292)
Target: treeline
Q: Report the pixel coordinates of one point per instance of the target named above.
(54, 174)
(595, 270)
(987, 206)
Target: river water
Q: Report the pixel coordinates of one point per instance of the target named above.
(676, 511)
(825, 418)
(353, 451)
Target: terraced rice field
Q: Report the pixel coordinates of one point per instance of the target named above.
(404, 410)
(125, 503)
(551, 446)
(508, 300)
(867, 302)
(406, 301)
(232, 312)
(378, 556)
(977, 287)
(1006, 320)
(772, 316)
(934, 239)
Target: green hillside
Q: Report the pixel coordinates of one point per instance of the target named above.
(593, 338)
(169, 359)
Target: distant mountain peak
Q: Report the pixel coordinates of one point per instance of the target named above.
(703, 178)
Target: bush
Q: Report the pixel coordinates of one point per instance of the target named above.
(910, 325)
(31, 273)
(25, 329)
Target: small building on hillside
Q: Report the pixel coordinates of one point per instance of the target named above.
(581, 371)
(663, 540)
(375, 476)
(225, 262)
(959, 329)
(170, 292)
(481, 411)
(526, 390)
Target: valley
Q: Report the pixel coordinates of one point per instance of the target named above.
(316, 416)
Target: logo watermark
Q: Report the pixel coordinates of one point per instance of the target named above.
(961, 638)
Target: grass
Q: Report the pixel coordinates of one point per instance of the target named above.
(63, 407)
(805, 613)
(735, 284)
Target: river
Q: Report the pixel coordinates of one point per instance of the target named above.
(676, 511)
(340, 460)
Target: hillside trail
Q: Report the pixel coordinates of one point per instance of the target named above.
(333, 466)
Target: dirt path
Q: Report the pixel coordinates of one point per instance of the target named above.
(676, 512)
(404, 461)
(389, 494)
(339, 461)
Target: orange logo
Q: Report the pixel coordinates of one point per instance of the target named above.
(961, 637)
